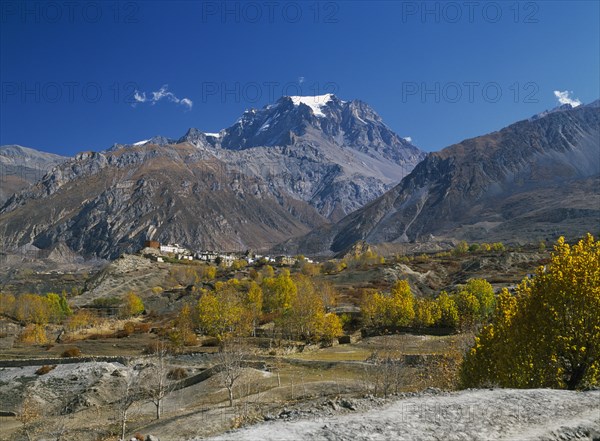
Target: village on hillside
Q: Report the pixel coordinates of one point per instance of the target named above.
(158, 252)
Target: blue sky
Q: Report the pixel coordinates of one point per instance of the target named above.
(438, 72)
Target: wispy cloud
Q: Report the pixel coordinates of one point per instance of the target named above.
(565, 98)
(162, 93)
(408, 138)
(301, 80)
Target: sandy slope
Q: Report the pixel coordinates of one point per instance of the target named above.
(500, 414)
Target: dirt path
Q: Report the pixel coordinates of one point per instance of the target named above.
(501, 414)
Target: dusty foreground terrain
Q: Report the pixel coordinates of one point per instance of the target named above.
(500, 414)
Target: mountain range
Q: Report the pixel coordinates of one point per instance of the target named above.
(533, 180)
(277, 172)
(21, 167)
(313, 175)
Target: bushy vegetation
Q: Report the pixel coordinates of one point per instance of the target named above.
(34, 334)
(296, 304)
(33, 308)
(469, 306)
(548, 334)
(71, 352)
(463, 248)
(132, 305)
(45, 369)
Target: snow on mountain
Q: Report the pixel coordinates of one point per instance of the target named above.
(316, 103)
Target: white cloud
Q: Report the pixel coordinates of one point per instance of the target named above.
(187, 102)
(564, 98)
(162, 93)
(139, 97)
(408, 138)
(301, 80)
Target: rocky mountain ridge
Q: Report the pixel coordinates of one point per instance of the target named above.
(21, 167)
(233, 190)
(535, 179)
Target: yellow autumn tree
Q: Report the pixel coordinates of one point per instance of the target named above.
(7, 304)
(427, 312)
(32, 308)
(484, 292)
(279, 292)
(305, 316)
(254, 303)
(448, 311)
(183, 333)
(548, 335)
(332, 328)
(222, 313)
(132, 305)
(395, 309)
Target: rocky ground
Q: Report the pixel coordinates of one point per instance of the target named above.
(495, 414)
(82, 397)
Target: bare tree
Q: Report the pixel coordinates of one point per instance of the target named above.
(156, 383)
(231, 358)
(131, 393)
(385, 370)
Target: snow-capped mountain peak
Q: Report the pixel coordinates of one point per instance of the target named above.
(316, 103)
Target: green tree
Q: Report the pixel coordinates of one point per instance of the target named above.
(58, 307)
(461, 248)
(484, 292)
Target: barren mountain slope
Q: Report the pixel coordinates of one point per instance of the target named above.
(532, 180)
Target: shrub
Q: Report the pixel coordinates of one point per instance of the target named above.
(177, 373)
(142, 328)
(333, 267)
(71, 352)
(461, 248)
(474, 247)
(45, 369)
(157, 346)
(34, 334)
(107, 301)
(498, 246)
(211, 342)
(128, 328)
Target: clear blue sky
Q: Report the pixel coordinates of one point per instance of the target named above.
(69, 73)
